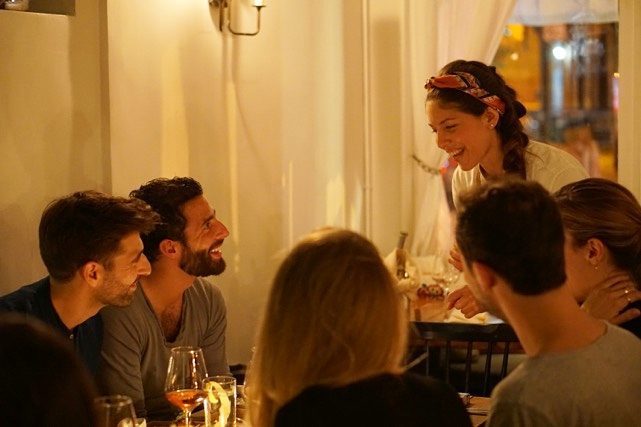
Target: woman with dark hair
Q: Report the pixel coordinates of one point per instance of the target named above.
(476, 118)
(602, 222)
(475, 115)
(331, 345)
(44, 382)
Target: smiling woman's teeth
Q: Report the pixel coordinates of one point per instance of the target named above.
(455, 153)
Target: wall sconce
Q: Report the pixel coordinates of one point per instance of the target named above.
(226, 4)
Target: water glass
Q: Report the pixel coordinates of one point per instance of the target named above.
(114, 411)
(220, 406)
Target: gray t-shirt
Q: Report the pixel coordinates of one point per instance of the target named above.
(135, 353)
(598, 385)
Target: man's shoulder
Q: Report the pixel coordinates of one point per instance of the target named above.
(559, 372)
(513, 385)
(133, 313)
(26, 299)
(205, 289)
(205, 301)
(617, 339)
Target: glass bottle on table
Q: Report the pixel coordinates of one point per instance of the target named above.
(401, 257)
(184, 383)
(402, 274)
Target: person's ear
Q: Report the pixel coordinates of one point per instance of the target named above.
(92, 272)
(485, 276)
(169, 248)
(595, 252)
(491, 117)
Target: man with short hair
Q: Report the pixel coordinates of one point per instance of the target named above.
(90, 243)
(174, 306)
(579, 370)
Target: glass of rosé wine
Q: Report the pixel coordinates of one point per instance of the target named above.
(184, 383)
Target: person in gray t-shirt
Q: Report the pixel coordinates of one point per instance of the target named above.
(173, 305)
(580, 371)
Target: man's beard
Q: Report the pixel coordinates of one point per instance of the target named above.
(116, 293)
(200, 264)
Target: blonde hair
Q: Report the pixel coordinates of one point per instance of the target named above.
(333, 317)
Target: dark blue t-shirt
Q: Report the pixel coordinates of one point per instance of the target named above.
(35, 300)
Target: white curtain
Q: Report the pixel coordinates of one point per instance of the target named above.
(436, 33)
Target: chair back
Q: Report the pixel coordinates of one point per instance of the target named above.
(458, 339)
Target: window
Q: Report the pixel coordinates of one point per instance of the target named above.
(566, 76)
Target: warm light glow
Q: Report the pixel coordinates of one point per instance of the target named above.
(559, 52)
(514, 56)
(258, 3)
(516, 32)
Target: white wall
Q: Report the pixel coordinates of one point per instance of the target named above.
(50, 126)
(384, 90)
(271, 125)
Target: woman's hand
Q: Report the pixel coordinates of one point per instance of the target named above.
(609, 299)
(455, 258)
(463, 300)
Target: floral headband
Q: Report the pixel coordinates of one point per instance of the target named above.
(466, 82)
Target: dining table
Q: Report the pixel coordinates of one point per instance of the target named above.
(479, 409)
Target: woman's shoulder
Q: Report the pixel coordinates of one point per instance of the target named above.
(549, 155)
(424, 382)
(552, 167)
(431, 389)
(378, 400)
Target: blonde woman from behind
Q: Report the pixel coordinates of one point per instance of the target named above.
(330, 348)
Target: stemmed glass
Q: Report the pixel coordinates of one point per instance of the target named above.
(450, 276)
(445, 275)
(184, 383)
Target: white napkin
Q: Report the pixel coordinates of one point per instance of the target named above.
(457, 316)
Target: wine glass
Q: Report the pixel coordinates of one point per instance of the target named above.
(184, 383)
(450, 276)
(114, 411)
(443, 273)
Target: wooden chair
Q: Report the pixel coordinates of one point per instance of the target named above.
(470, 340)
